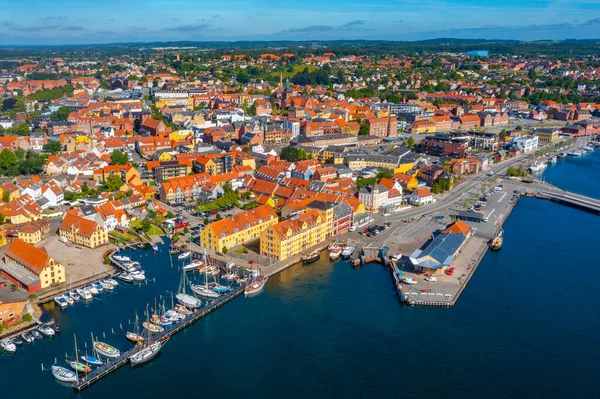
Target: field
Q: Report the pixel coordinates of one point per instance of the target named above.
(297, 69)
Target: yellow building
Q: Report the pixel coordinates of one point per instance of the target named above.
(180, 135)
(33, 232)
(8, 192)
(238, 229)
(82, 231)
(359, 162)
(30, 267)
(546, 136)
(294, 236)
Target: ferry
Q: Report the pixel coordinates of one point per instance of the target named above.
(311, 257)
(537, 166)
(496, 242)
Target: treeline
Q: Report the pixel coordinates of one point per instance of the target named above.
(52, 94)
(20, 162)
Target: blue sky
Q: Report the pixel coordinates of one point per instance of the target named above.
(111, 21)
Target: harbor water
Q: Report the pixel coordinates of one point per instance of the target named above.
(527, 325)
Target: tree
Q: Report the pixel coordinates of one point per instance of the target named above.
(218, 217)
(385, 173)
(170, 215)
(205, 221)
(364, 129)
(436, 188)
(7, 158)
(146, 226)
(113, 183)
(61, 114)
(1, 218)
(410, 142)
(53, 147)
(224, 250)
(118, 158)
(186, 230)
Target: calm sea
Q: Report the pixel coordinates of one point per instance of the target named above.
(526, 326)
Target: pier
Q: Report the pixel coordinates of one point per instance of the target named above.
(98, 373)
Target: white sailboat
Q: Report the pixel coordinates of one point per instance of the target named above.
(203, 289)
(149, 351)
(183, 298)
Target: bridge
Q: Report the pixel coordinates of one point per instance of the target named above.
(568, 198)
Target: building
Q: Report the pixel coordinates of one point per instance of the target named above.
(374, 197)
(440, 144)
(422, 196)
(162, 171)
(31, 268)
(238, 229)
(527, 143)
(383, 127)
(12, 305)
(546, 135)
(181, 189)
(477, 53)
(33, 232)
(82, 231)
(441, 251)
(295, 235)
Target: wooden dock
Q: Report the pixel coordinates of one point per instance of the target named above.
(97, 374)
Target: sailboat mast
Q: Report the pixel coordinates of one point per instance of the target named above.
(76, 356)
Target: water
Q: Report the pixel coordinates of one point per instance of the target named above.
(527, 325)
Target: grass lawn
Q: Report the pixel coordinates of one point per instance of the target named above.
(155, 231)
(136, 223)
(297, 69)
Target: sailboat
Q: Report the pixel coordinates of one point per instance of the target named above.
(135, 336)
(75, 364)
(186, 300)
(106, 350)
(148, 351)
(203, 289)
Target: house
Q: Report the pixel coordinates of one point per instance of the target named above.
(82, 231)
(31, 268)
(546, 135)
(12, 305)
(153, 127)
(422, 196)
(374, 197)
(32, 232)
(409, 182)
(526, 143)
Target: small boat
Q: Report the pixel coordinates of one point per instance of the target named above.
(47, 331)
(335, 252)
(230, 276)
(98, 286)
(8, 346)
(183, 310)
(78, 366)
(562, 155)
(69, 300)
(146, 354)
(154, 247)
(27, 337)
(17, 341)
(112, 282)
(93, 360)
(537, 166)
(552, 160)
(56, 328)
(74, 295)
(61, 301)
(174, 250)
(84, 293)
(126, 277)
(92, 289)
(348, 251)
(106, 350)
(137, 276)
(174, 315)
(153, 327)
(204, 290)
(63, 374)
(211, 270)
(256, 286)
(496, 243)
(188, 301)
(36, 334)
(106, 285)
(133, 263)
(221, 289)
(119, 258)
(133, 337)
(193, 265)
(184, 255)
(311, 257)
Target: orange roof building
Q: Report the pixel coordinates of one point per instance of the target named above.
(82, 231)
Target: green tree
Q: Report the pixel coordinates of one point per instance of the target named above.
(118, 158)
(145, 225)
(218, 217)
(61, 114)
(364, 129)
(410, 142)
(385, 172)
(186, 230)
(113, 183)
(2, 218)
(7, 158)
(53, 147)
(436, 188)
(205, 221)
(224, 250)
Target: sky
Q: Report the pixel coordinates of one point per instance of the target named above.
(55, 22)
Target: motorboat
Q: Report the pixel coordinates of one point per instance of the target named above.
(126, 277)
(36, 334)
(153, 327)
(106, 350)
(230, 276)
(84, 293)
(138, 276)
(74, 295)
(348, 251)
(69, 300)
(146, 354)
(27, 337)
(120, 258)
(174, 315)
(8, 346)
(221, 289)
(56, 328)
(193, 265)
(311, 257)
(92, 289)
(188, 301)
(63, 374)
(106, 285)
(61, 301)
(98, 286)
(537, 166)
(562, 155)
(133, 337)
(93, 360)
(132, 264)
(587, 148)
(184, 255)
(256, 286)
(46, 331)
(335, 252)
(78, 366)
(552, 160)
(575, 153)
(17, 341)
(112, 281)
(204, 290)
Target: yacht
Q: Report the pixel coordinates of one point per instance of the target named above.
(83, 293)
(311, 257)
(537, 166)
(204, 290)
(8, 346)
(562, 155)
(575, 153)
(46, 331)
(61, 301)
(119, 258)
(92, 289)
(146, 354)
(27, 337)
(128, 278)
(193, 265)
(335, 252)
(74, 295)
(552, 160)
(184, 255)
(106, 285)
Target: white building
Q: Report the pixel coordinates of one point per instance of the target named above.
(526, 143)
(422, 196)
(292, 126)
(373, 197)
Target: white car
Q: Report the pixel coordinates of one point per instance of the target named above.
(352, 228)
(63, 239)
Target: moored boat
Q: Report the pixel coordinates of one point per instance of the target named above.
(562, 155)
(348, 251)
(63, 374)
(497, 241)
(537, 166)
(133, 337)
(119, 258)
(184, 255)
(27, 337)
(106, 350)
(78, 366)
(93, 360)
(146, 354)
(204, 290)
(256, 286)
(126, 277)
(311, 257)
(46, 331)
(152, 327)
(74, 295)
(8, 346)
(193, 265)
(335, 252)
(17, 341)
(61, 301)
